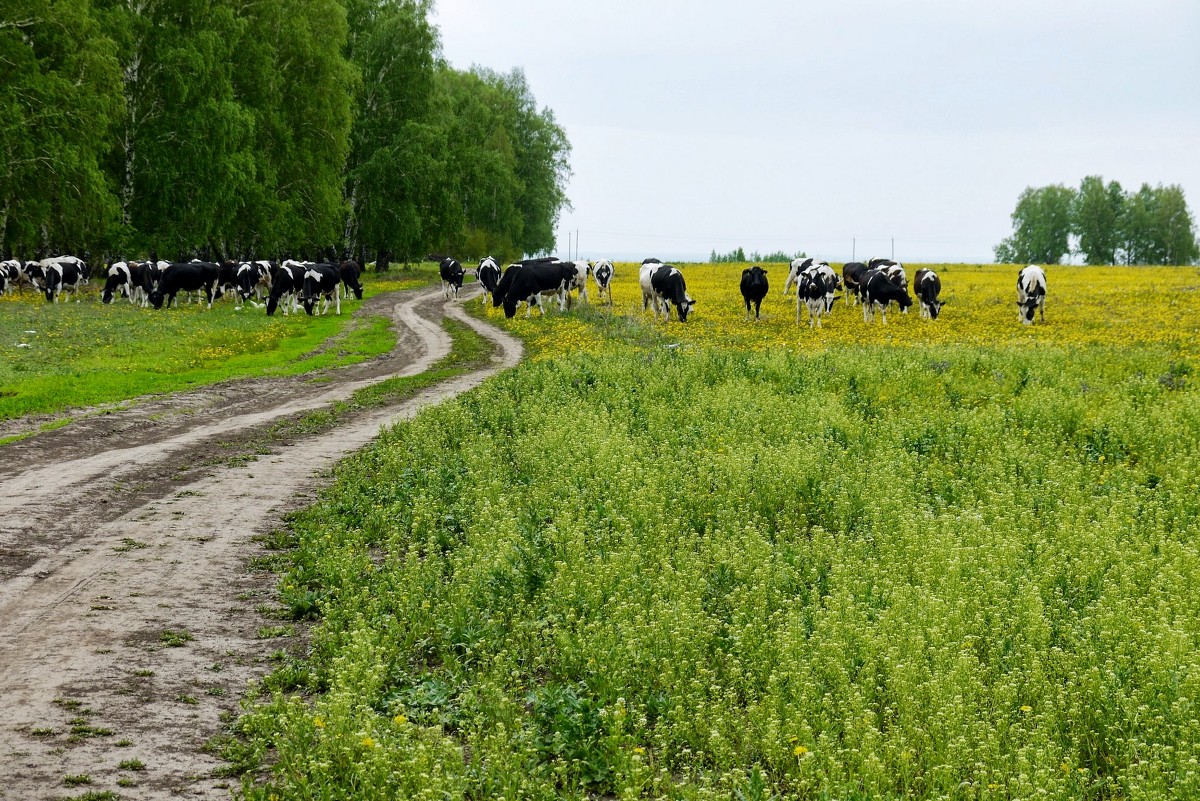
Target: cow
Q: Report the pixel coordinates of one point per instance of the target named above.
(894, 271)
(146, 277)
(528, 280)
(927, 286)
(812, 288)
(349, 271)
(245, 284)
(12, 272)
(798, 266)
(452, 277)
(663, 285)
(286, 283)
(1031, 294)
(754, 288)
(602, 274)
(878, 292)
(186, 276)
(321, 281)
(120, 277)
(582, 268)
(852, 276)
(59, 276)
(488, 276)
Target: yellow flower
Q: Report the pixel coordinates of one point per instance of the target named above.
(319, 722)
(639, 750)
(799, 750)
(368, 742)
(1026, 709)
(400, 720)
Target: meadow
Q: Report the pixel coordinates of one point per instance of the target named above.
(951, 559)
(69, 355)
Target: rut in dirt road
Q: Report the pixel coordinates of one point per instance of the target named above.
(129, 621)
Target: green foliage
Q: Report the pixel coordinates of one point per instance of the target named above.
(871, 572)
(1151, 226)
(738, 256)
(1041, 227)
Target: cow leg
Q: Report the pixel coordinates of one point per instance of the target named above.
(338, 304)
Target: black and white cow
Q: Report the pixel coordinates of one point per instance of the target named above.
(245, 283)
(321, 281)
(663, 285)
(927, 286)
(488, 276)
(754, 288)
(878, 292)
(894, 271)
(12, 273)
(796, 267)
(813, 286)
(852, 276)
(582, 268)
(1031, 293)
(602, 274)
(527, 281)
(186, 276)
(349, 271)
(452, 277)
(286, 284)
(59, 276)
(120, 278)
(146, 277)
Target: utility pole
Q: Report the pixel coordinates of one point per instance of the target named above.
(893, 248)
(853, 249)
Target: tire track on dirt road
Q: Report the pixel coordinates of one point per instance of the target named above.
(89, 678)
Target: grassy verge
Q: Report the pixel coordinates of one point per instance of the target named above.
(61, 356)
(921, 572)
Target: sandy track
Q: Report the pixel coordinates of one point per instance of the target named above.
(108, 541)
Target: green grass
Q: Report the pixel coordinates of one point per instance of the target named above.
(932, 572)
(87, 353)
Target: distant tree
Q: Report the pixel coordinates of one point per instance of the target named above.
(1041, 227)
(1158, 227)
(60, 96)
(1096, 216)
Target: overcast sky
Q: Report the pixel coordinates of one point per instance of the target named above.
(804, 126)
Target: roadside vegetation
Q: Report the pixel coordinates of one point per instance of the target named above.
(935, 565)
(71, 355)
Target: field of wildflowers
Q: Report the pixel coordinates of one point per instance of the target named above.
(951, 559)
(1084, 306)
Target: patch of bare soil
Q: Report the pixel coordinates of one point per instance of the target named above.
(131, 617)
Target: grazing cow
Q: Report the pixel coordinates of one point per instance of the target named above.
(245, 282)
(321, 281)
(527, 281)
(186, 276)
(663, 285)
(350, 270)
(1031, 294)
(12, 272)
(60, 276)
(927, 286)
(286, 284)
(852, 276)
(488, 276)
(879, 292)
(452, 277)
(120, 276)
(754, 288)
(894, 271)
(812, 288)
(146, 276)
(602, 274)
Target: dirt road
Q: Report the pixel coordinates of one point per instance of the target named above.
(130, 616)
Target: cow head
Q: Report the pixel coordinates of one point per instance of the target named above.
(685, 307)
(935, 308)
(1027, 309)
(156, 299)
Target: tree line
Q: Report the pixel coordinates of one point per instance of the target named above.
(738, 256)
(248, 129)
(1103, 223)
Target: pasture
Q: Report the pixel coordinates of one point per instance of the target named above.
(68, 355)
(949, 559)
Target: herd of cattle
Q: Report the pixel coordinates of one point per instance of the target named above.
(875, 284)
(294, 284)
